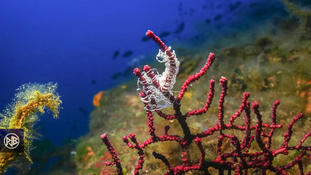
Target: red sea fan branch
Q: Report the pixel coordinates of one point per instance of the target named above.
(158, 87)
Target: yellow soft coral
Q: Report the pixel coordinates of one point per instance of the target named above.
(22, 113)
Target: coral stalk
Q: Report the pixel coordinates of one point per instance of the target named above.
(240, 160)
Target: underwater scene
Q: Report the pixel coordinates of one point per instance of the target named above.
(155, 87)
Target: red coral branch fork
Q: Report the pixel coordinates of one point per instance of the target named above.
(156, 94)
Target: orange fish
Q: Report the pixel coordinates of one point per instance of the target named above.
(96, 98)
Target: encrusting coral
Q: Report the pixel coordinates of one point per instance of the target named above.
(23, 113)
(247, 154)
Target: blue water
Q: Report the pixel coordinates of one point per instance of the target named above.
(71, 42)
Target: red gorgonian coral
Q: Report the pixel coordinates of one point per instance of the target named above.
(155, 92)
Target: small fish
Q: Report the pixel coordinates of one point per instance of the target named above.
(145, 38)
(235, 5)
(128, 71)
(233, 34)
(164, 34)
(116, 75)
(180, 9)
(127, 53)
(217, 17)
(219, 27)
(93, 81)
(180, 27)
(207, 21)
(115, 54)
(191, 11)
(83, 111)
(198, 37)
(180, 6)
(74, 126)
(252, 5)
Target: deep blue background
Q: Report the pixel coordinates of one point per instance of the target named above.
(71, 42)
